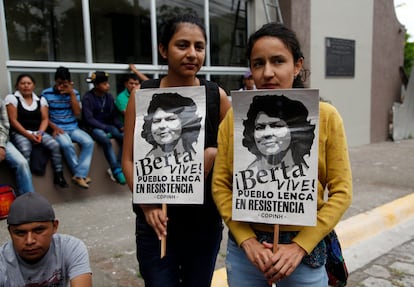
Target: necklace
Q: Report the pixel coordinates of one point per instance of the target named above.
(103, 103)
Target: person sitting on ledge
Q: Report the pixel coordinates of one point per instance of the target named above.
(102, 120)
(37, 255)
(64, 108)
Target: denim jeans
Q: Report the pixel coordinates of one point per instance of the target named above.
(24, 145)
(21, 167)
(102, 138)
(79, 165)
(242, 273)
(189, 261)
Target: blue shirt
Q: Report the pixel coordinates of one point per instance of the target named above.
(60, 109)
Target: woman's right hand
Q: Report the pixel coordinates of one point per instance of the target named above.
(156, 218)
(36, 139)
(258, 254)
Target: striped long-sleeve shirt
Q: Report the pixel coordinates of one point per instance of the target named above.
(60, 109)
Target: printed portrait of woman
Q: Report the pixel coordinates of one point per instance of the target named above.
(277, 131)
(171, 123)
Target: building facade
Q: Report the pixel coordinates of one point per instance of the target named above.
(87, 35)
(365, 98)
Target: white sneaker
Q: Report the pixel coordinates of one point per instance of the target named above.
(109, 171)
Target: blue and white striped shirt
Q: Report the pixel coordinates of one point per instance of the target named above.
(60, 109)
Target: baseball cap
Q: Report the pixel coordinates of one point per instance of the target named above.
(30, 207)
(248, 74)
(97, 77)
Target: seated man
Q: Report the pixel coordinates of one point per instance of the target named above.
(38, 256)
(102, 120)
(64, 107)
(131, 83)
(13, 157)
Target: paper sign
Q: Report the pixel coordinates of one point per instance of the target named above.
(275, 178)
(169, 145)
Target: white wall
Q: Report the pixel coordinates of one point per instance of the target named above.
(353, 20)
(4, 78)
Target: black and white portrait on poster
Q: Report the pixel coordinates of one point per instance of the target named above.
(169, 145)
(275, 178)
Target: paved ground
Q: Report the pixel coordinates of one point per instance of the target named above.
(396, 268)
(381, 173)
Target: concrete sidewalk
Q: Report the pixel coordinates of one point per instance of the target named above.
(383, 182)
(382, 173)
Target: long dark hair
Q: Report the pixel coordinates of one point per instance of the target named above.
(288, 37)
(294, 113)
(21, 76)
(169, 28)
(184, 107)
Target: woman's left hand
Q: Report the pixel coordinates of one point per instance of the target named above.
(283, 262)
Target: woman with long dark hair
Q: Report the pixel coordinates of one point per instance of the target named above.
(276, 63)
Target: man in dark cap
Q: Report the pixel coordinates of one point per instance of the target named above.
(38, 256)
(64, 108)
(102, 119)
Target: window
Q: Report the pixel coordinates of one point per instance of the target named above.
(45, 30)
(228, 33)
(121, 31)
(46, 80)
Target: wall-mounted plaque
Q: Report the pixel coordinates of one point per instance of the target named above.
(340, 57)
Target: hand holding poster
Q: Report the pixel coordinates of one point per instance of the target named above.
(276, 156)
(169, 145)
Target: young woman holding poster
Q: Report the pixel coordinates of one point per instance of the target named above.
(276, 63)
(194, 231)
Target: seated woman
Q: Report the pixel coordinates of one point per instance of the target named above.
(28, 116)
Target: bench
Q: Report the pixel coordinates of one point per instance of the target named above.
(101, 182)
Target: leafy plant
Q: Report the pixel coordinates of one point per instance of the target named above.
(408, 55)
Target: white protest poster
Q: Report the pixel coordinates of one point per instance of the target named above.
(169, 145)
(275, 177)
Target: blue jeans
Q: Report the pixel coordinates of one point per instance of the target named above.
(21, 167)
(242, 273)
(24, 145)
(189, 261)
(105, 141)
(79, 165)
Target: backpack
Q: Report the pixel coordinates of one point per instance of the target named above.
(7, 197)
(38, 159)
